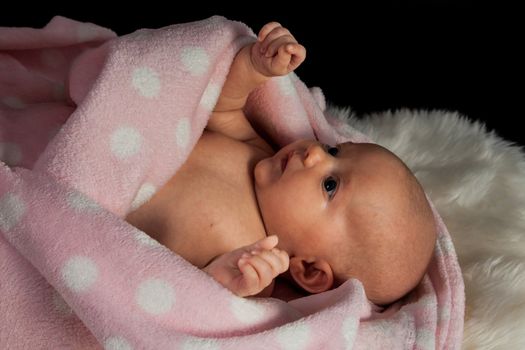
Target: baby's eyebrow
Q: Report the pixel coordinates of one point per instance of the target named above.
(343, 145)
(343, 176)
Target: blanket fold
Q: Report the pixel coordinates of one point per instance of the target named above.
(91, 125)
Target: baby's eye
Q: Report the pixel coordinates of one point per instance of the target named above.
(331, 150)
(330, 186)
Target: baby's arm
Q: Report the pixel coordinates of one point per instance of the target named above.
(250, 270)
(275, 53)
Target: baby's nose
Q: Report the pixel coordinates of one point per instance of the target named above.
(314, 154)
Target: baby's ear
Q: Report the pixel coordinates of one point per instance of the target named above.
(313, 275)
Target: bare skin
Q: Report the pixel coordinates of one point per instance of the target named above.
(313, 214)
(220, 237)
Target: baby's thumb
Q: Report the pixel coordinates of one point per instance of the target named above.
(266, 243)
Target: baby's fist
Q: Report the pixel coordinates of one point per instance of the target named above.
(276, 51)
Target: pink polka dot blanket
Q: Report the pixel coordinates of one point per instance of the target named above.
(91, 124)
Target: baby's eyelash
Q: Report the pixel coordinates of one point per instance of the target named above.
(333, 149)
(329, 149)
(330, 185)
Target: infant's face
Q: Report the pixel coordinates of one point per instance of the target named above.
(356, 206)
(315, 196)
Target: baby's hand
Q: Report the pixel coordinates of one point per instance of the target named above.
(248, 270)
(276, 51)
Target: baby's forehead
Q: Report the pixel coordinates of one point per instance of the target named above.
(374, 187)
(368, 147)
(372, 157)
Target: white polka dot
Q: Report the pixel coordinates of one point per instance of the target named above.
(79, 273)
(293, 77)
(445, 243)
(349, 331)
(294, 336)
(210, 96)
(125, 142)
(246, 310)
(387, 327)
(145, 192)
(11, 211)
(195, 60)
(182, 132)
(285, 85)
(10, 153)
(146, 240)
(116, 343)
(146, 81)
(425, 339)
(428, 302)
(192, 343)
(444, 315)
(155, 296)
(82, 203)
(61, 305)
(14, 102)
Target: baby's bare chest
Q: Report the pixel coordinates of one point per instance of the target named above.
(209, 206)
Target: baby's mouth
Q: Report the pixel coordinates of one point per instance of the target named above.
(286, 159)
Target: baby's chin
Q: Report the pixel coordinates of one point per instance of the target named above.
(265, 172)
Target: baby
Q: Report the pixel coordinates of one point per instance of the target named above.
(315, 215)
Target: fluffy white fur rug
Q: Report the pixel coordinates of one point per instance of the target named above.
(477, 182)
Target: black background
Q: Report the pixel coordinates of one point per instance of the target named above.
(372, 56)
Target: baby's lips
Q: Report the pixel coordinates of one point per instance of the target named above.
(284, 160)
(283, 164)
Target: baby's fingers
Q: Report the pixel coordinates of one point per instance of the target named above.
(266, 243)
(257, 274)
(267, 28)
(265, 272)
(249, 285)
(269, 263)
(283, 44)
(284, 259)
(276, 35)
(298, 55)
(277, 259)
